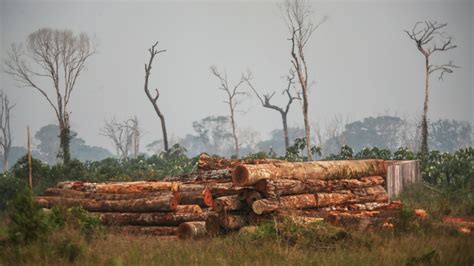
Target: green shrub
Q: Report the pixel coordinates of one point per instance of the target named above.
(77, 218)
(26, 220)
(9, 187)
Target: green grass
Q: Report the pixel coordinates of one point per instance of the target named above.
(439, 247)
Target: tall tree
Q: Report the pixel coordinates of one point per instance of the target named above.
(5, 130)
(430, 39)
(265, 101)
(154, 99)
(297, 14)
(232, 93)
(59, 56)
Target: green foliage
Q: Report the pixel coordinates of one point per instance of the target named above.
(374, 153)
(9, 187)
(407, 222)
(77, 218)
(27, 221)
(294, 153)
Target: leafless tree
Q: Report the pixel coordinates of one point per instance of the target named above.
(124, 135)
(233, 93)
(59, 56)
(430, 39)
(297, 14)
(5, 130)
(154, 99)
(265, 101)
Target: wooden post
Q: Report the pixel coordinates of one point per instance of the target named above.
(30, 168)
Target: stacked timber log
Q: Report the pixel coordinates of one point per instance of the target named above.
(226, 195)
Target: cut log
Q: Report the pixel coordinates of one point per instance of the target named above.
(120, 187)
(188, 209)
(69, 193)
(361, 220)
(221, 175)
(251, 197)
(147, 230)
(246, 175)
(150, 219)
(207, 162)
(192, 230)
(370, 194)
(257, 219)
(302, 201)
(228, 203)
(212, 224)
(165, 203)
(230, 221)
(202, 198)
(273, 188)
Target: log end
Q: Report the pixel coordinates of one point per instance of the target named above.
(240, 175)
(192, 230)
(207, 197)
(258, 207)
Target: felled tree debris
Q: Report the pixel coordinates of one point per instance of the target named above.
(206, 162)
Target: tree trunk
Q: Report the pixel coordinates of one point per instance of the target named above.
(157, 204)
(234, 133)
(246, 175)
(64, 140)
(285, 130)
(273, 188)
(301, 201)
(192, 230)
(424, 119)
(306, 123)
(228, 203)
(69, 193)
(147, 230)
(232, 222)
(217, 189)
(362, 195)
(119, 187)
(163, 128)
(207, 163)
(202, 198)
(151, 218)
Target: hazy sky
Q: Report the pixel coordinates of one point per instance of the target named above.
(360, 60)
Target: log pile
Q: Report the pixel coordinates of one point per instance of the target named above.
(226, 195)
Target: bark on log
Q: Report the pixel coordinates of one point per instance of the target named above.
(361, 220)
(230, 221)
(228, 203)
(192, 230)
(302, 201)
(188, 209)
(207, 162)
(246, 175)
(147, 230)
(69, 193)
(212, 224)
(362, 195)
(251, 197)
(202, 198)
(273, 188)
(165, 203)
(221, 175)
(119, 187)
(150, 219)
(217, 189)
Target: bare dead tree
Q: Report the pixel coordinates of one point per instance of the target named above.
(297, 14)
(121, 134)
(154, 99)
(430, 39)
(5, 130)
(233, 93)
(136, 135)
(265, 101)
(59, 56)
